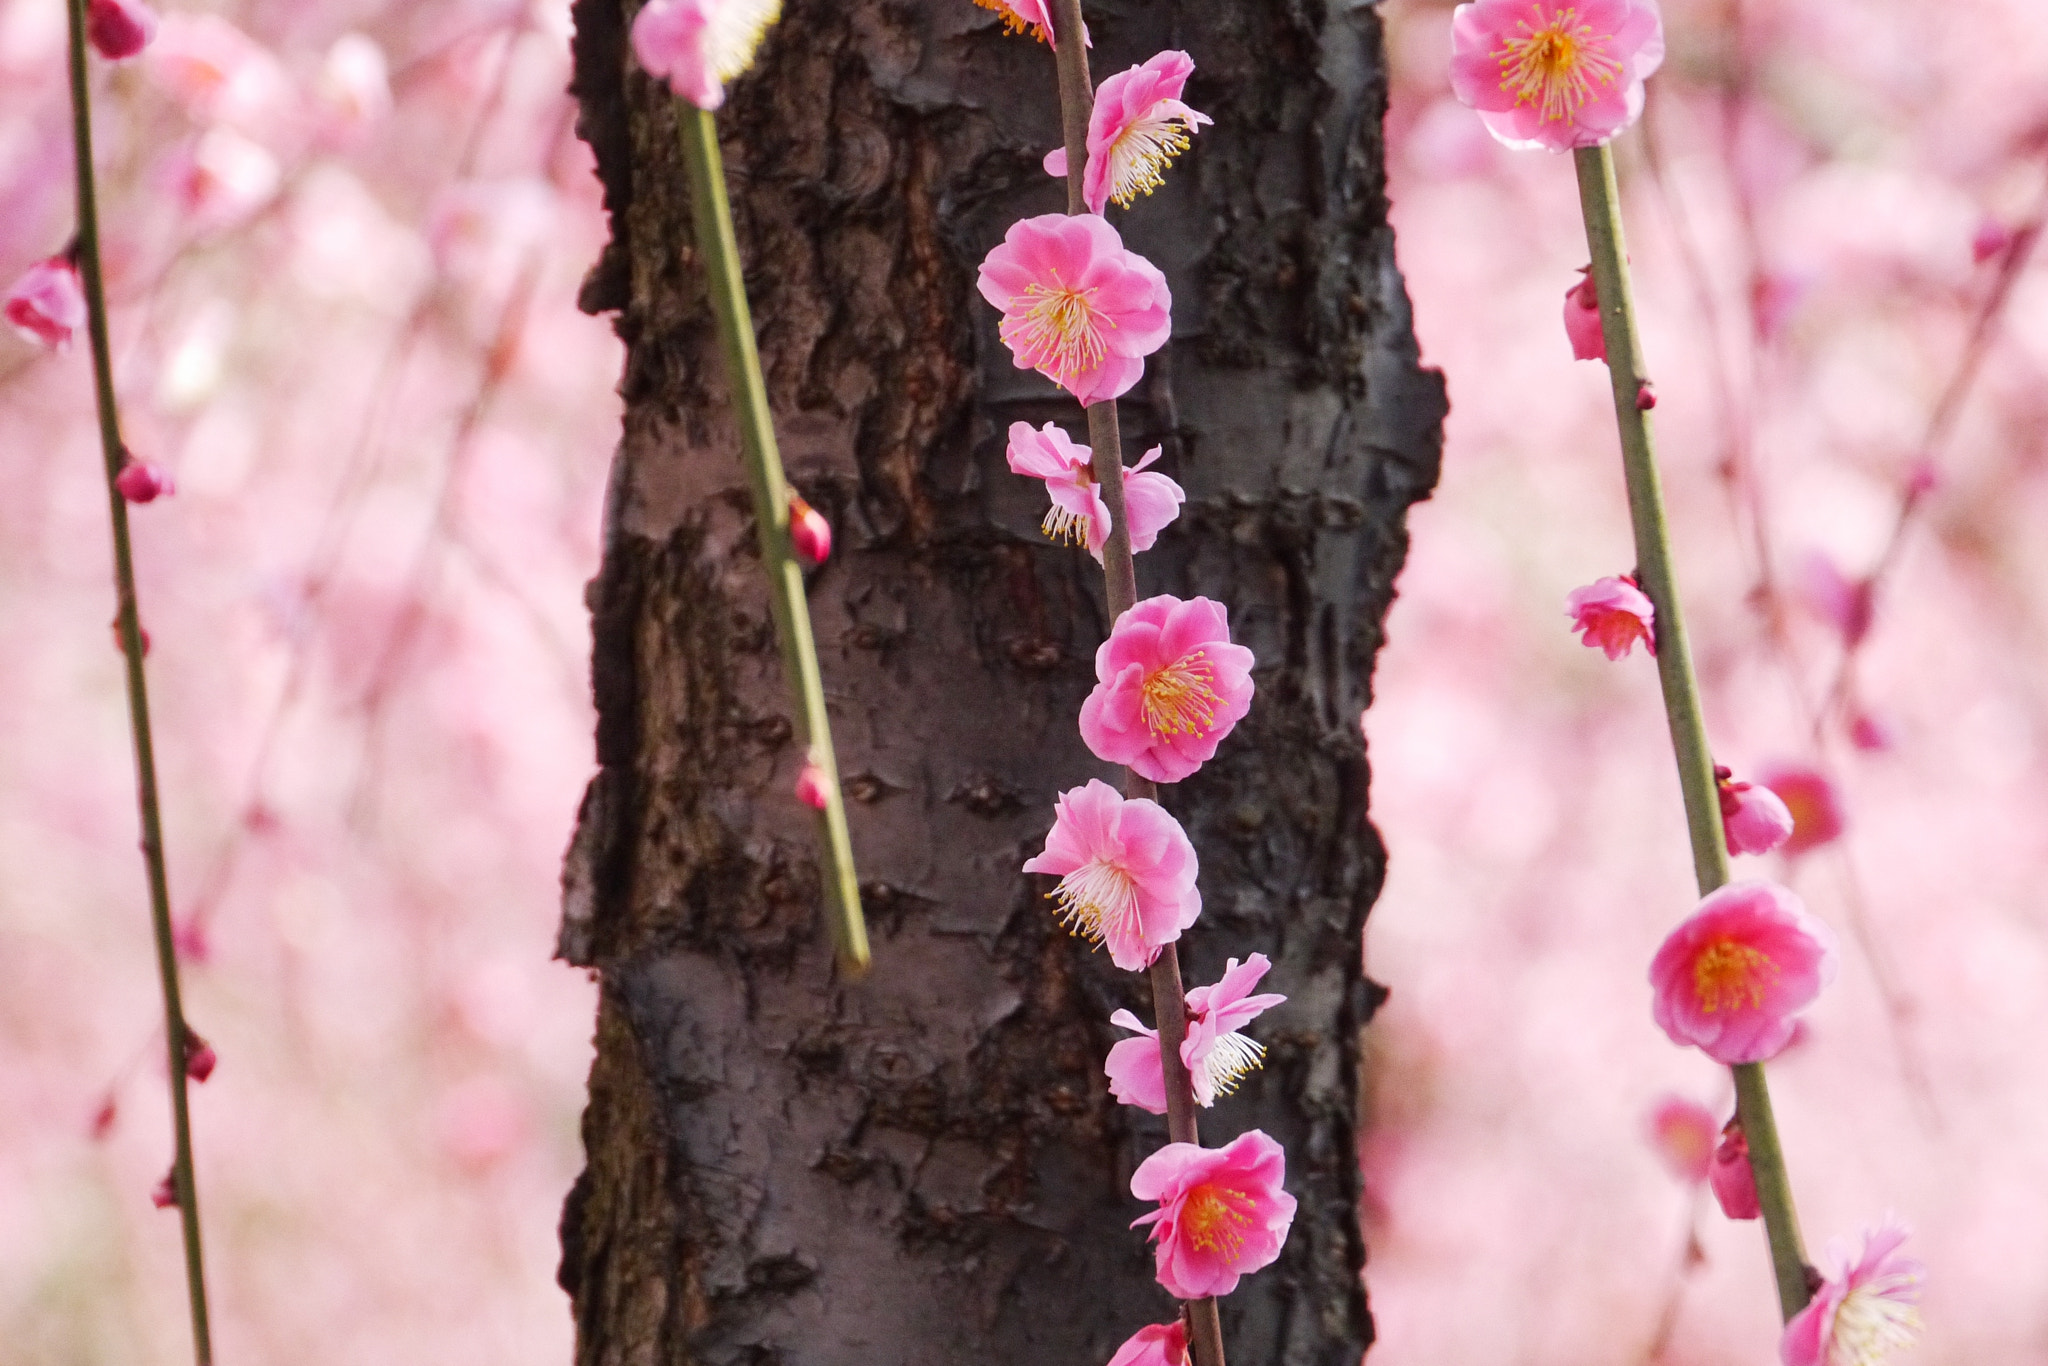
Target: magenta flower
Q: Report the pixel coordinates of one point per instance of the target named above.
(1865, 1311)
(1138, 126)
(47, 304)
(1612, 614)
(699, 45)
(1076, 306)
(1582, 319)
(809, 532)
(1222, 1213)
(1731, 1176)
(1683, 1133)
(1158, 1344)
(1555, 73)
(1730, 978)
(1816, 807)
(1078, 511)
(1126, 871)
(1216, 1055)
(1754, 820)
(120, 28)
(1169, 686)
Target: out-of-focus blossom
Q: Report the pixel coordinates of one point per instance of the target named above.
(1557, 74)
(47, 304)
(119, 29)
(1992, 238)
(1215, 1053)
(221, 179)
(354, 90)
(482, 231)
(188, 936)
(1022, 16)
(164, 1195)
(1612, 614)
(1076, 306)
(1817, 814)
(1870, 733)
(1169, 686)
(1159, 1344)
(1754, 820)
(1774, 298)
(103, 1118)
(1683, 1133)
(1922, 478)
(218, 72)
(699, 45)
(1222, 1212)
(811, 787)
(1126, 871)
(809, 532)
(1732, 1178)
(1582, 318)
(144, 481)
(1138, 126)
(1868, 1309)
(1843, 603)
(200, 1059)
(1731, 976)
(481, 1121)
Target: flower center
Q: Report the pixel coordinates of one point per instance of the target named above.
(1556, 67)
(1014, 22)
(1179, 699)
(1731, 976)
(1872, 1321)
(1063, 525)
(1230, 1060)
(1214, 1218)
(1142, 152)
(1058, 331)
(1097, 900)
(735, 34)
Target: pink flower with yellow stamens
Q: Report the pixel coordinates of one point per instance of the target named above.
(1730, 978)
(1126, 871)
(1138, 126)
(699, 45)
(1169, 686)
(1025, 16)
(1684, 1133)
(1076, 306)
(1078, 512)
(1215, 1053)
(1158, 1344)
(1222, 1212)
(1612, 614)
(1555, 73)
(1864, 1312)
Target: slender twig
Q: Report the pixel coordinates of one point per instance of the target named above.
(718, 249)
(1600, 200)
(1120, 585)
(114, 453)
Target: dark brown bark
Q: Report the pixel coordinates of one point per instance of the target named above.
(924, 1166)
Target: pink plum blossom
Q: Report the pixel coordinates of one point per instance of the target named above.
(1222, 1213)
(1032, 16)
(1555, 73)
(809, 532)
(47, 304)
(1126, 871)
(1216, 1055)
(1169, 686)
(218, 72)
(1816, 806)
(1732, 1178)
(1683, 1132)
(1076, 306)
(1138, 126)
(1158, 1344)
(119, 29)
(1754, 820)
(1136, 1076)
(1864, 1312)
(354, 89)
(1582, 319)
(1078, 511)
(699, 45)
(144, 481)
(1732, 975)
(1612, 614)
(221, 180)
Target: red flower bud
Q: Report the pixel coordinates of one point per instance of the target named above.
(1733, 1182)
(812, 788)
(166, 1193)
(200, 1059)
(809, 531)
(144, 481)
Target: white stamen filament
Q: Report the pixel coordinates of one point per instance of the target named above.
(1098, 901)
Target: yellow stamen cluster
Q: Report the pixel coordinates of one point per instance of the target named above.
(1871, 1323)
(1014, 22)
(1141, 154)
(1558, 66)
(1058, 331)
(1731, 976)
(1095, 900)
(1214, 1218)
(1180, 699)
(1233, 1058)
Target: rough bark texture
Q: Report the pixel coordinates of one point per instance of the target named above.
(924, 1166)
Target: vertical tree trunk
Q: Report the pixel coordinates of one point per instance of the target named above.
(924, 1166)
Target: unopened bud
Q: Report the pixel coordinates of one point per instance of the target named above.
(142, 632)
(166, 1193)
(200, 1059)
(1582, 319)
(144, 481)
(1733, 1182)
(809, 532)
(1646, 397)
(120, 28)
(812, 789)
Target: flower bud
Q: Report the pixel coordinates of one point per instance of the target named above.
(809, 532)
(1582, 319)
(166, 1193)
(1733, 1182)
(812, 788)
(47, 304)
(1754, 820)
(120, 29)
(200, 1059)
(144, 481)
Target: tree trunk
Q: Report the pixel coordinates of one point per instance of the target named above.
(924, 1166)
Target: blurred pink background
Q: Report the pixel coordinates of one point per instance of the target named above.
(346, 241)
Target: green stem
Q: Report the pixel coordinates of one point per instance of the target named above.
(130, 628)
(718, 248)
(1601, 201)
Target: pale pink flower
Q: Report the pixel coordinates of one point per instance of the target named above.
(1816, 807)
(120, 28)
(221, 180)
(1076, 306)
(1732, 1178)
(1137, 127)
(1126, 871)
(1158, 1344)
(354, 89)
(1216, 1055)
(47, 304)
(1582, 319)
(1222, 1213)
(809, 532)
(1864, 1312)
(1169, 686)
(1078, 511)
(219, 72)
(1846, 604)
(1683, 1133)
(1612, 614)
(1555, 73)
(697, 46)
(1732, 975)
(144, 481)
(1754, 820)
(812, 787)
